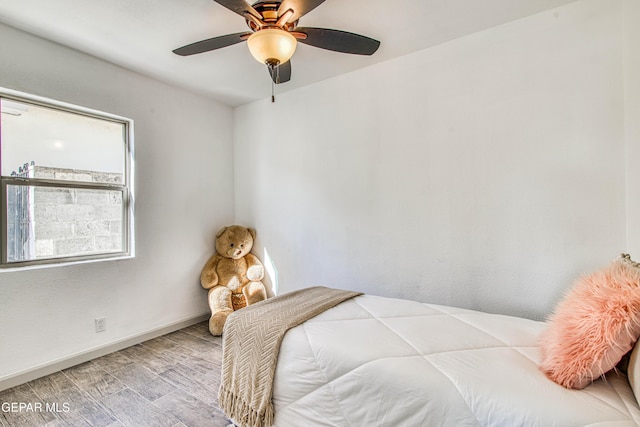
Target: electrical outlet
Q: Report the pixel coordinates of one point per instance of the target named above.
(101, 324)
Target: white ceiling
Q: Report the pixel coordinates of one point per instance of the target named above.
(140, 35)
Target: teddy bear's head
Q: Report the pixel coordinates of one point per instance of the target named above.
(234, 241)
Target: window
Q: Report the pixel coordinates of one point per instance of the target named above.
(65, 175)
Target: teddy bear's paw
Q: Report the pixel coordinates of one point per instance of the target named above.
(216, 322)
(255, 273)
(254, 292)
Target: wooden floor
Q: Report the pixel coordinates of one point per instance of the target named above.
(169, 381)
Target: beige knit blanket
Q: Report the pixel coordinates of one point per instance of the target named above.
(251, 342)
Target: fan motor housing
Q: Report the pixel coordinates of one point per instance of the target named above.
(269, 12)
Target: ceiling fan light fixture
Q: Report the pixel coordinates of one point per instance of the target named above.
(272, 45)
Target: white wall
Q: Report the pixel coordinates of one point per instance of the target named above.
(487, 172)
(184, 192)
(632, 120)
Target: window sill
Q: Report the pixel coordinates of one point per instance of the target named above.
(63, 264)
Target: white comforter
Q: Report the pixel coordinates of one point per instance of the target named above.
(374, 361)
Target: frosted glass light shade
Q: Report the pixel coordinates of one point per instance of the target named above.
(272, 45)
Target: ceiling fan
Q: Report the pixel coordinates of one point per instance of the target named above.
(274, 35)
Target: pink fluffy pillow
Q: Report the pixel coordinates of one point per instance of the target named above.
(596, 324)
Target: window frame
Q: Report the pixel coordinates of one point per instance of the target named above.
(126, 187)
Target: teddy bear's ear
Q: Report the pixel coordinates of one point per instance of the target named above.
(252, 231)
(222, 230)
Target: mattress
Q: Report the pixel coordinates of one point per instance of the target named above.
(374, 361)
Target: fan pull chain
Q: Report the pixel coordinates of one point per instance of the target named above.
(276, 74)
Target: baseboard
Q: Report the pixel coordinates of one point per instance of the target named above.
(67, 362)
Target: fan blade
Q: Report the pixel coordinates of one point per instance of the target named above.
(338, 41)
(240, 7)
(210, 44)
(299, 7)
(281, 74)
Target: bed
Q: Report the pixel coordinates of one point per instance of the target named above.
(375, 361)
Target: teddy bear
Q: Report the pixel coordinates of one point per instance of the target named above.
(232, 275)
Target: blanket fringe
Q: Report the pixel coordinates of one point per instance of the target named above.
(241, 412)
